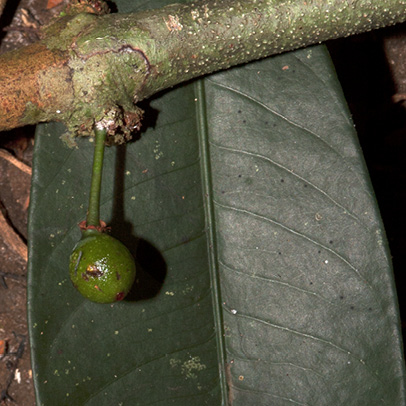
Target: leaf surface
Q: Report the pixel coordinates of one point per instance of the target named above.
(263, 273)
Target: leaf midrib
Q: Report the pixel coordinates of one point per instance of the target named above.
(207, 193)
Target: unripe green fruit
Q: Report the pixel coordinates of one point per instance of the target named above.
(101, 268)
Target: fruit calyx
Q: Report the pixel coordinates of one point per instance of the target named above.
(101, 228)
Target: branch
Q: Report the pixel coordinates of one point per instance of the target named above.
(89, 66)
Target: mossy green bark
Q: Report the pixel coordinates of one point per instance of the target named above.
(111, 62)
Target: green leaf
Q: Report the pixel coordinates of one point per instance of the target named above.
(263, 272)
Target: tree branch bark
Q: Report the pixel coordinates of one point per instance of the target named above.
(88, 67)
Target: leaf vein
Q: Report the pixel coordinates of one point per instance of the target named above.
(333, 252)
(277, 363)
(297, 125)
(133, 368)
(287, 329)
(270, 394)
(291, 172)
(271, 280)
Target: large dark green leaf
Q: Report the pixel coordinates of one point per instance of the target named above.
(263, 272)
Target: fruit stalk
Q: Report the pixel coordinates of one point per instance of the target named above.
(101, 268)
(93, 213)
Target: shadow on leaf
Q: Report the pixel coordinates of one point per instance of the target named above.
(151, 266)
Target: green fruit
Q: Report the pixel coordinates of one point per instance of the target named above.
(101, 268)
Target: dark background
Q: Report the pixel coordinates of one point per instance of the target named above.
(372, 70)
